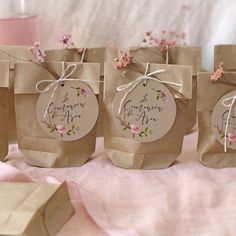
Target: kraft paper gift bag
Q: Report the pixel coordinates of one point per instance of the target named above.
(145, 121)
(225, 53)
(4, 108)
(216, 120)
(187, 55)
(148, 54)
(18, 53)
(56, 128)
(179, 55)
(92, 55)
(33, 209)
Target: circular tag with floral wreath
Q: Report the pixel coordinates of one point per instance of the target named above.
(219, 120)
(70, 113)
(145, 113)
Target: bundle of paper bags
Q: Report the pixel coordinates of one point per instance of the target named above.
(142, 100)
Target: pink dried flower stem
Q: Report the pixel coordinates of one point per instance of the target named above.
(166, 39)
(123, 55)
(42, 64)
(40, 57)
(37, 52)
(69, 44)
(218, 73)
(123, 60)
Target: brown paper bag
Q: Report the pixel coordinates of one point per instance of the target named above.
(184, 55)
(179, 55)
(225, 54)
(39, 148)
(92, 55)
(32, 209)
(210, 151)
(127, 153)
(18, 52)
(4, 95)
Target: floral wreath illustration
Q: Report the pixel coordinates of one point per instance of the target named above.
(134, 129)
(230, 137)
(60, 128)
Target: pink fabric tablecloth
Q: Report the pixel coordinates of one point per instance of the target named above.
(185, 199)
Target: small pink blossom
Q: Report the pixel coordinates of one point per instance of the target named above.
(231, 137)
(67, 41)
(61, 129)
(163, 94)
(167, 38)
(82, 91)
(123, 60)
(218, 73)
(134, 129)
(38, 53)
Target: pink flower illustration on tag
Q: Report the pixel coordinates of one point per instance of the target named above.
(82, 91)
(61, 129)
(134, 129)
(160, 95)
(231, 137)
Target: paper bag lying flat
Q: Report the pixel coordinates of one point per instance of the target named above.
(32, 209)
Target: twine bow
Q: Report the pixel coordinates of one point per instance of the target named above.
(132, 85)
(64, 76)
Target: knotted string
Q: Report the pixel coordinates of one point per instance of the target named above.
(132, 85)
(64, 76)
(230, 105)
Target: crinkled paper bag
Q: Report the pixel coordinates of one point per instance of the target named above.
(33, 209)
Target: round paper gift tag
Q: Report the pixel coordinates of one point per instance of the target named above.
(219, 120)
(147, 112)
(70, 113)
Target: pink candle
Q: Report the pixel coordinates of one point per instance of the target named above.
(18, 30)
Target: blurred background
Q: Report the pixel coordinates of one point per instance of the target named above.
(118, 22)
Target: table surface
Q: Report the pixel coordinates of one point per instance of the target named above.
(185, 199)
